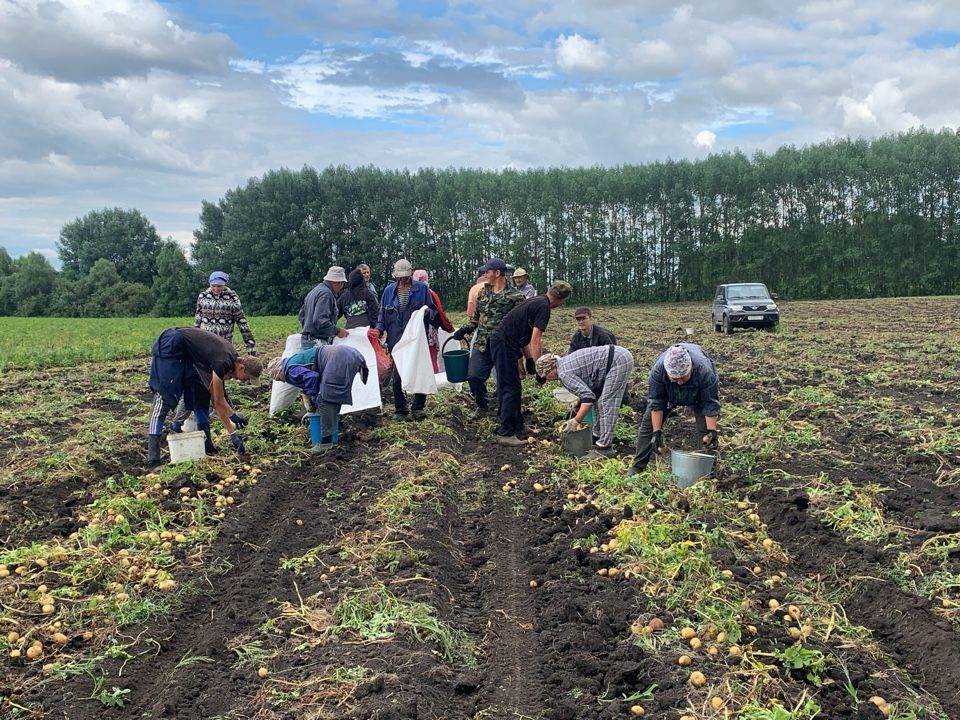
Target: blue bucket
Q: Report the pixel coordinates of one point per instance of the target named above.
(317, 430)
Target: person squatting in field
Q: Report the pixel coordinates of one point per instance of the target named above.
(325, 374)
(598, 377)
(682, 376)
(193, 364)
(492, 304)
(519, 335)
(400, 300)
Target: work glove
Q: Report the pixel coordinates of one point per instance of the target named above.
(239, 420)
(541, 380)
(364, 374)
(252, 351)
(570, 425)
(656, 441)
(531, 366)
(461, 333)
(711, 441)
(237, 443)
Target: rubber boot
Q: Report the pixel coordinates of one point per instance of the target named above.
(153, 453)
(208, 447)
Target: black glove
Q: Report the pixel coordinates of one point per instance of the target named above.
(251, 351)
(237, 443)
(711, 441)
(531, 366)
(461, 333)
(364, 373)
(656, 441)
(239, 420)
(541, 380)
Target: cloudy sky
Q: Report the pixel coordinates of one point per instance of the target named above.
(159, 105)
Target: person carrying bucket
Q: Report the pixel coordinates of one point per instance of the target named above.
(495, 300)
(597, 376)
(682, 376)
(325, 374)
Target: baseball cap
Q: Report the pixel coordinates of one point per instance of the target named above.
(562, 288)
(495, 263)
(402, 268)
(582, 312)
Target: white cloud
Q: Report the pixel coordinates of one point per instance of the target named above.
(580, 54)
(705, 139)
(883, 109)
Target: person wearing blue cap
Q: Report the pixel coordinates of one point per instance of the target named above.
(218, 310)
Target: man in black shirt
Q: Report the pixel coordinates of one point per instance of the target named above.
(588, 334)
(518, 335)
(194, 364)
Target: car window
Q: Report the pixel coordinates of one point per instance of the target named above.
(745, 292)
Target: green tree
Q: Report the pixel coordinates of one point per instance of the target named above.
(6, 262)
(176, 284)
(28, 289)
(124, 237)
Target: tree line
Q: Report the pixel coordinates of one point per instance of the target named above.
(845, 218)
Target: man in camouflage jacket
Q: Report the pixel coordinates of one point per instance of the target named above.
(493, 303)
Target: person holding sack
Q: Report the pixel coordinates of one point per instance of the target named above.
(597, 376)
(400, 300)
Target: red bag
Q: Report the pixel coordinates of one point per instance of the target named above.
(384, 361)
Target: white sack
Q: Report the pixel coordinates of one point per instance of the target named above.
(364, 396)
(442, 337)
(444, 384)
(411, 355)
(284, 394)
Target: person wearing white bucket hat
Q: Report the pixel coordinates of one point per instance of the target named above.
(682, 376)
(319, 314)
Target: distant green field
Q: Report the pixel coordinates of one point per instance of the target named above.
(61, 342)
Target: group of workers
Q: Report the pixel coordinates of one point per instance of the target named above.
(506, 320)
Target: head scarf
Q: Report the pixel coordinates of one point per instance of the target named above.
(546, 363)
(677, 362)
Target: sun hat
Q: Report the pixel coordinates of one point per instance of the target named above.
(677, 362)
(546, 363)
(335, 274)
(520, 272)
(402, 268)
(218, 277)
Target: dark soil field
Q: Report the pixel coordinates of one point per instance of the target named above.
(420, 571)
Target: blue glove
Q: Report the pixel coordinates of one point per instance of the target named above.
(239, 420)
(237, 443)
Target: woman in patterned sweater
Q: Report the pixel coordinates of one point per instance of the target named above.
(218, 309)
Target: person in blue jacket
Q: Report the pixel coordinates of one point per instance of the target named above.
(682, 376)
(325, 374)
(399, 301)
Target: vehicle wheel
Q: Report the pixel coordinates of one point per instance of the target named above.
(727, 325)
(717, 327)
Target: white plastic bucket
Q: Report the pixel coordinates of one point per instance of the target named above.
(186, 446)
(564, 395)
(190, 424)
(688, 467)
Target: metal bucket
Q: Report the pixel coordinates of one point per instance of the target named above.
(578, 443)
(455, 362)
(688, 467)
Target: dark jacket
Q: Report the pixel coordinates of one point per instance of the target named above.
(701, 391)
(357, 303)
(392, 320)
(598, 336)
(333, 369)
(319, 314)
